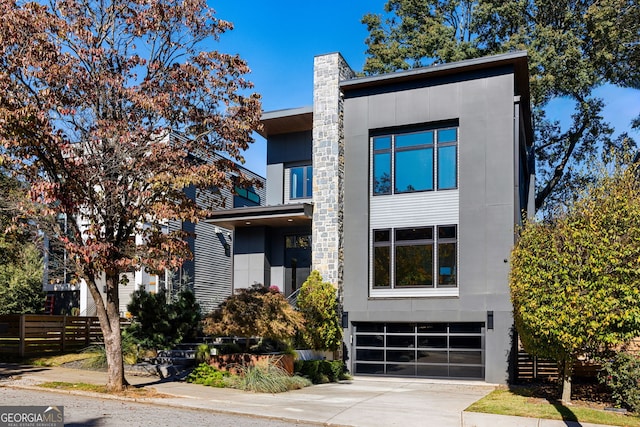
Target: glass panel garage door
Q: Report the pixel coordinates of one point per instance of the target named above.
(433, 350)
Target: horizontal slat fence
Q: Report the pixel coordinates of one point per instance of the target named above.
(32, 334)
(532, 367)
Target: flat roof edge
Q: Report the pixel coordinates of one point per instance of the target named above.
(481, 62)
(283, 209)
(286, 112)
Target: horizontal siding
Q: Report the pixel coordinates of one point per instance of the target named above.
(211, 266)
(259, 190)
(287, 185)
(125, 292)
(415, 209)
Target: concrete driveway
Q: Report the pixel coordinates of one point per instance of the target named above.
(363, 401)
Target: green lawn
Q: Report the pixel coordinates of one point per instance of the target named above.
(519, 402)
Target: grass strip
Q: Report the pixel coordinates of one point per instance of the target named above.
(131, 392)
(517, 403)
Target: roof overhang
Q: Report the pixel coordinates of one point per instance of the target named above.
(286, 121)
(263, 216)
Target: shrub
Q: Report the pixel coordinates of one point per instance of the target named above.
(206, 374)
(161, 324)
(254, 312)
(203, 353)
(321, 371)
(318, 304)
(266, 377)
(622, 375)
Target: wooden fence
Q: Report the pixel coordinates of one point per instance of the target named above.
(531, 367)
(32, 334)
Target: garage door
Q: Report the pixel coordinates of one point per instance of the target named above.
(430, 350)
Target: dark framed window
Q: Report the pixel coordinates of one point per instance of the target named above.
(447, 158)
(301, 182)
(414, 257)
(382, 258)
(297, 241)
(248, 194)
(423, 257)
(406, 162)
(447, 256)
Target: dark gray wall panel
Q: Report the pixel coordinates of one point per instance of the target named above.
(289, 147)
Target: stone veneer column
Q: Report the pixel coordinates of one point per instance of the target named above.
(328, 166)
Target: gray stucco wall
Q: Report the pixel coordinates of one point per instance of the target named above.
(484, 108)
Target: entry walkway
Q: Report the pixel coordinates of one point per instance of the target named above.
(363, 401)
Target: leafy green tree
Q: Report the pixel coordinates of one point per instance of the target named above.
(575, 280)
(21, 279)
(21, 266)
(318, 303)
(158, 324)
(573, 48)
(257, 311)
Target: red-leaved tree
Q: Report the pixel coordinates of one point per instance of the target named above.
(109, 109)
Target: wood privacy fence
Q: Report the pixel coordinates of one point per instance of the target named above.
(531, 367)
(32, 334)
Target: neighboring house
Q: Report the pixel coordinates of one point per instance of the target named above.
(404, 190)
(208, 274)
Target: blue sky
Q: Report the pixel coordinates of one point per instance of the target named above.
(280, 38)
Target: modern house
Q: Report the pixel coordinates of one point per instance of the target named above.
(208, 274)
(404, 190)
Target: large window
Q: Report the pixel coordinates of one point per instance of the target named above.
(415, 161)
(423, 257)
(301, 184)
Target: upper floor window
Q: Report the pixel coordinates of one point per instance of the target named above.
(411, 161)
(248, 194)
(301, 184)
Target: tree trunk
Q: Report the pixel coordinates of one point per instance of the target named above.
(109, 317)
(565, 381)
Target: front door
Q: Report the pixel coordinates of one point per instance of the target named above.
(297, 261)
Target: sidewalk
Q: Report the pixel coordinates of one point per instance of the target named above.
(363, 401)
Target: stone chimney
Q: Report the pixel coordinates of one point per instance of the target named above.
(328, 166)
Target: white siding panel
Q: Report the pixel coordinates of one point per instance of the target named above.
(415, 209)
(287, 186)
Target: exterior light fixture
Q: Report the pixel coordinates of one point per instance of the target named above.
(489, 319)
